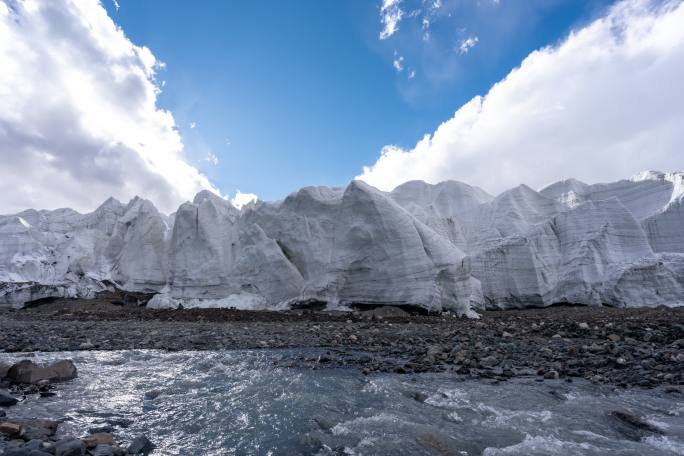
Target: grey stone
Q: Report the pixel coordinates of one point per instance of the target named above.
(140, 445)
(7, 399)
(69, 446)
(26, 371)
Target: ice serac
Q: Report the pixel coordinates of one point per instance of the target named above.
(448, 246)
(330, 246)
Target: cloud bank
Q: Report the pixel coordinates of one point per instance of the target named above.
(605, 103)
(78, 119)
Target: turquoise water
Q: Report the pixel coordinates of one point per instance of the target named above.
(240, 402)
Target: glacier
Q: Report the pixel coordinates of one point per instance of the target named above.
(438, 247)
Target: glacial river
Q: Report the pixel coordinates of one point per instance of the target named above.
(239, 402)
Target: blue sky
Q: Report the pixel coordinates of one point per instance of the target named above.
(288, 94)
(285, 94)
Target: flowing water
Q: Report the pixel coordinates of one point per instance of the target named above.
(240, 402)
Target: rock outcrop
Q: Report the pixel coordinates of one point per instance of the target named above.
(439, 247)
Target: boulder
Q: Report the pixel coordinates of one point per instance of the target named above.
(6, 399)
(99, 438)
(70, 446)
(140, 445)
(28, 372)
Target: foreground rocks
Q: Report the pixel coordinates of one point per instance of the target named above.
(625, 347)
(38, 437)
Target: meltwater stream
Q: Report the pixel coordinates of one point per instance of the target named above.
(241, 402)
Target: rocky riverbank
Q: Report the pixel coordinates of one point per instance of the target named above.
(38, 436)
(622, 347)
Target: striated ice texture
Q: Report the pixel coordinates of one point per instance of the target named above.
(448, 246)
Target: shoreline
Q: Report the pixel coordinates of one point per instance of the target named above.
(622, 347)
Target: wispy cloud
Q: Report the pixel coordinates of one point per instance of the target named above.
(398, 64)
(467, 44)
(211, 158)
(390, 16)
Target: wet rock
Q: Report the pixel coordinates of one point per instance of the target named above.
(325, 423)
(107, 450)
(40, 426)
(27, 371)
(10, 429)
(551, 375)
(4, 367)
(418, 396)
(6, 399)
(151, 395)
(70, 446)
(489, 361)
(34, 433)
(140, 445)
(632, 426)
(101, 438)
(17, 452)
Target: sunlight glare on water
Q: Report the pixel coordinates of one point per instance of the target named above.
(240, 402)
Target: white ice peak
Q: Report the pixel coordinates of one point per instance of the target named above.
(448, 246)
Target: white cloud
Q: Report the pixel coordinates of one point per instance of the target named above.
(466, 45)
(211, 158)
(411, 74)
(398, 64)
(241, 199)
(116, 5)
(193, 125)
(78, 118)
(390, 16)
(604, 104)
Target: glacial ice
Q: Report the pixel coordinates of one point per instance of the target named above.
(448, 246)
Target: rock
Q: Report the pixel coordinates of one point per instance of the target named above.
(100, 438)
(551, 375)
(6, 399)
(86, 346)
(632, 426)
(325, 423)
(489, 361)
(140, 445)
(39, 453)
(4, 367)
(34, 433)
(151, 395)
(10, 429)
(613, 337)
(506, 334)
(69, 446)
(38, 426)
(107, 450)
(26, 371)
(17, 452)
(583, 325)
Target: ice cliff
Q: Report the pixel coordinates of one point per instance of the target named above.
(448, 246)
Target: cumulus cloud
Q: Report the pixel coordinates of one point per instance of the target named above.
(241, 199)
(390, 16)
(602, 105)
(78, 118)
